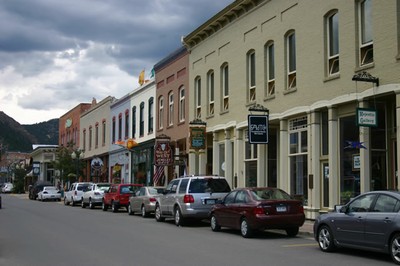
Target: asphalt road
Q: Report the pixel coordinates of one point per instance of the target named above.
(49, 233)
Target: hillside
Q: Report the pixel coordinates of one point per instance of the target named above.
(17, 137)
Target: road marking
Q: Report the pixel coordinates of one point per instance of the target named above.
(300, 245)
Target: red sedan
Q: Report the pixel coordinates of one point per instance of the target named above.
(258, 208)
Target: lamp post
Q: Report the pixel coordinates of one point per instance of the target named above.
(77, 156)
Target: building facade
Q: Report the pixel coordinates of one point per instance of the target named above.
(172, 92)
(328, 81)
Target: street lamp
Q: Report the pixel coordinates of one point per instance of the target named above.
(76, 156)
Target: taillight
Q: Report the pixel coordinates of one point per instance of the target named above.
(152, 199)
(97, 193)
(258, 210)
(188, 199)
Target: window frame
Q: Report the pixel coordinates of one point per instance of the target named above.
(291, 68)
(225, 87)
(251, 76)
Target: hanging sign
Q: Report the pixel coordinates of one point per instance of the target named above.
(258, 129)
(367, 117)
(162, 154)
(197, 138)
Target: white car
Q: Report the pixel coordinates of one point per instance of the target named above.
(49, 193)
(7, 188)
(74, 195)
(94, 195)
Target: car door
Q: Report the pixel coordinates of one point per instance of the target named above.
(169, 197)
(224, 211)
(137, 199)
(381, 221)
(350, 225)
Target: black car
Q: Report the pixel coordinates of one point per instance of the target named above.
(371, 221)
(36, 188)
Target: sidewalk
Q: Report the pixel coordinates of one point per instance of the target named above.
(307, 228)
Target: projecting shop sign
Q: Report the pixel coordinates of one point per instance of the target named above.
(258, 129)
(367, 117)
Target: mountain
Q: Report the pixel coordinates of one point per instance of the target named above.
(17, 137)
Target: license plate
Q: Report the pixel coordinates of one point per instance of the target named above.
(281, 209)
(210, 201)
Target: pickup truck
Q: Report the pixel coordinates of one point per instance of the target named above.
(118, 196)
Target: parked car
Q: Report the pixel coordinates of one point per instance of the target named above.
(144, 200)
(7, 188)
(258, 208)
(190, 197)
(36, 188)
(49, 193)
(94, 195)
(74, 195)
(370, 221)
(118, 196)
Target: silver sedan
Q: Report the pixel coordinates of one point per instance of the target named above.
(144, 200)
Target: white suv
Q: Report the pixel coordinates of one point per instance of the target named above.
(190, 197)
(75, 193)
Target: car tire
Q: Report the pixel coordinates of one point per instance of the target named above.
(326, 241)
(83, 205)
(245, 229)
(65, 202)
(179, 220)
(157, 214)
(130, 212)
(104, 206)
(394, 248)
(143, 211)
(214, 224)
(72, 202)
(114, 207)
(292, 231)
(91, 206)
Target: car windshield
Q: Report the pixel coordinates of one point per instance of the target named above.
(83, 187)
(128, 189)
(103, 187)
(209, 185)
(270, 194)
(155, 191)
(49, 188)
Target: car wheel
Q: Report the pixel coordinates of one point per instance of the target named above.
(245, 229)
(104, 206)
(114, 207)
(72, 202)
(214, 224)
(157, 214)
(179, 220)
(83, 204)
(130, 212)
(292, 232)
(395, 248)
(325, 239)
(143, 211)
(65, 201)
(91, 206)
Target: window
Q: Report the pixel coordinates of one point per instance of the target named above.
(84, 139)
(270, 68)
(141, 120)
(151, 115)
(298, 147)
(126, 124)
(362, 204)
(197, 86)
(225, 87)
(96, 135)
(90, 137)
(120, 126)
(181, 109)
(250, 159)
(210, 91)
(366, 52)
(385, 203)
(251, 76)
(291, 60)
(170, 109)
(134, 122)
(332, 27)
(113, 130)
(161, 112)
(103, 138)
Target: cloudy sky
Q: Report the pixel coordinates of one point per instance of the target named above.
(56, 54)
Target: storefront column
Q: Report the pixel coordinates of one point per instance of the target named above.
(365, 174)
(398, 139)
(202, 162)
(193, 163)
(333, 156)
(239, 158)
(216, 163)
(262, 164)
(314, 135)
(228, 157)
(283, 180)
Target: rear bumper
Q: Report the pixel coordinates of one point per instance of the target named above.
(278, 222)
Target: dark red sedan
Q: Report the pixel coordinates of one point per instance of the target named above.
(258, 208)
